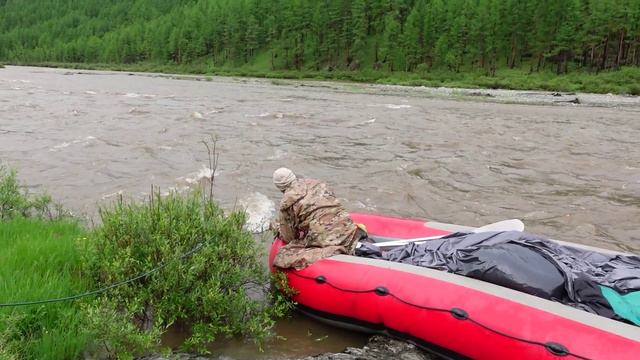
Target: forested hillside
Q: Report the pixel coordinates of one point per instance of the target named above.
(320, 35)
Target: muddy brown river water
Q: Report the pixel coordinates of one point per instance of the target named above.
(570, 172)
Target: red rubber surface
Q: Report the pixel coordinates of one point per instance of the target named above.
(346, 293)
(395, 227)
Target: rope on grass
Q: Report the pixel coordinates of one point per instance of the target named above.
(103, 289)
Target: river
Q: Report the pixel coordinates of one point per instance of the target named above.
(569, 171)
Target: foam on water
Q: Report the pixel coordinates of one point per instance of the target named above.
(60, 146)
(394, 106)
(136, 111)
(195, 178)
(107, 196)
(216, 110)
(260, 210)
(261, 115)
(176, 190)
(278, 154)
(65, 144)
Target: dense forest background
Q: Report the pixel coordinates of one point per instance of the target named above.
(328, 35)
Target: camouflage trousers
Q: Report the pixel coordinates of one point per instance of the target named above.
(297, 256)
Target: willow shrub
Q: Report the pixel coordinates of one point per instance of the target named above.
(212, 276)
(17, 202)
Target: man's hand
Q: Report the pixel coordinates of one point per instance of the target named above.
(274, 225)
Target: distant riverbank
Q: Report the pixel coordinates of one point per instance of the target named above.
(489, 95)
(625, 81)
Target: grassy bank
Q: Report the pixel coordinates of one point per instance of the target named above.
(174, 259)
(40, 260)
(623, 81)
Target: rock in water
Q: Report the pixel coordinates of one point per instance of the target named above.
(379, 348)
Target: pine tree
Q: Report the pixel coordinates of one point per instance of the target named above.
(271, 38)
(251, 38)
(359, 26)
(634, 33)
(567, 35)
(414, 36)
(391, 37)
(435, 25)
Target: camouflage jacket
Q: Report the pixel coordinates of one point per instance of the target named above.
(314, 225)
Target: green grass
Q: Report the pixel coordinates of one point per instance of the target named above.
(623, 81)
(40, 260)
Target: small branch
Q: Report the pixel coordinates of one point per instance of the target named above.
(213, 156)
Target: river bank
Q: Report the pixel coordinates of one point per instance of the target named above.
(377, 348)
(111, 289)
(48, 311)
(528, 96)
(445, 91)
(624, 81)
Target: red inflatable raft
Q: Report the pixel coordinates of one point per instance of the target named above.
(453, 316)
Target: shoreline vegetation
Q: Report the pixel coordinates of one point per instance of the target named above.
(175, 259)
(566, 45)
(40, 260)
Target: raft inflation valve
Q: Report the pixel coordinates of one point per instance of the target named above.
(321, 279)
(556, 349)
(459, 314)
(382, 291)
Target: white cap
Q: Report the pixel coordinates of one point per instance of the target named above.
(282, 178)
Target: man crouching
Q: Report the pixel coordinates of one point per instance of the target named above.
(312, 222)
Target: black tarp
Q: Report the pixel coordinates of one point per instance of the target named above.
(527, 263)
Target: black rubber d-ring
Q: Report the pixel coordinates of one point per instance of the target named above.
(459, 314)
(556, 349)
(382, 291)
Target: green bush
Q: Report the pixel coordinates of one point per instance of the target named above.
(219, 287)
(633, 89)
(16, 202)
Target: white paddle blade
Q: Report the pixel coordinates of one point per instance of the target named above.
(504, 225)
